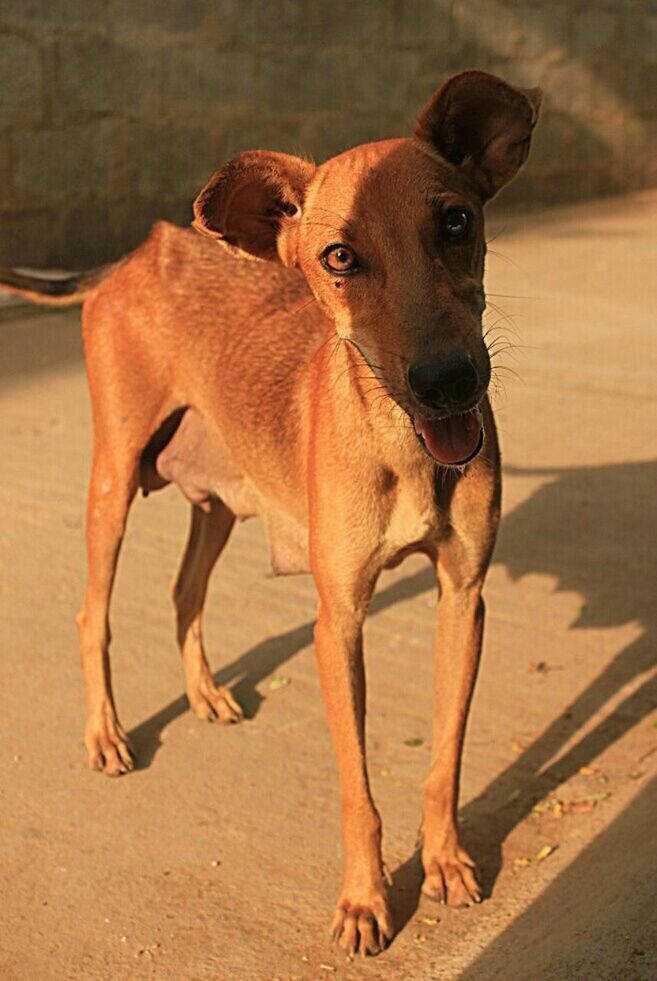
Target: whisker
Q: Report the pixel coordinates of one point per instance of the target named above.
(502, 231)
(503, 367)
(506, 258)
(511, 296)
(503, 315)
(302, 307)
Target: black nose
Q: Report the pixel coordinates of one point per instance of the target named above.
(445, 384)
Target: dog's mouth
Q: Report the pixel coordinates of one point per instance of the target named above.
(453, 440)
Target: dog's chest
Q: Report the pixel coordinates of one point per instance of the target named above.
(198, 460)
(414, 522)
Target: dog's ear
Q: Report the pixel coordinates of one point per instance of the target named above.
(253, 204)
(482, 125)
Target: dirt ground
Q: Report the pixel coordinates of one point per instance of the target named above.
(220, 856)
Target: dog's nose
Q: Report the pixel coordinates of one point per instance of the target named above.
(448, 383)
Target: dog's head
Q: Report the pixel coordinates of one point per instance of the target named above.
(390, 237)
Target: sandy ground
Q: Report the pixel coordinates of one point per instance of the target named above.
(220, 857)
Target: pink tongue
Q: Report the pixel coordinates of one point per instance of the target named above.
(451, 440)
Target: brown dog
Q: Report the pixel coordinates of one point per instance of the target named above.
(338, 391)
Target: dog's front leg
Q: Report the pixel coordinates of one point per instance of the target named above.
(362, 920)
(450, 874)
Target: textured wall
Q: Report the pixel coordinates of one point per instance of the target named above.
(115, 112)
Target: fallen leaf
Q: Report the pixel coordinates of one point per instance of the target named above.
(430, 920)
(579, 806)
(413, 742)
(551, 805)
(326, 967)
(599, 797)
(588, 771)
(544, 852)
(280, 682)
(522, 862)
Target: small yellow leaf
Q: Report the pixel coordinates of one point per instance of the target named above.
(596, 798)
(522, 862)
(580, 806)
(551, 804)
(280, 682)
(588, 771)
(430, 920)
(544, 852)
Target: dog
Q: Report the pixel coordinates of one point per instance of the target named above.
(315, 357)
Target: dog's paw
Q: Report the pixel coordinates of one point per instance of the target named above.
(363, 927)
(451, 878)
(213, 703)
(107, 744)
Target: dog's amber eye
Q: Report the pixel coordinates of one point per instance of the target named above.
(456, 224)
(340, 259)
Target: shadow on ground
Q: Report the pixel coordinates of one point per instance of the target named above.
(597, 920)
(251, 668)
(592, 529)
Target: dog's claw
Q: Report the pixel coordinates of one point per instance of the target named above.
(362, 928)
(451, 879)
(108, 747)
(214, 703)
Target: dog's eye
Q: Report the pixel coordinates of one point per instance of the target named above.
(456, 224)
(339, 259)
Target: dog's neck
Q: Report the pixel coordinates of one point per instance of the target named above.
(389, 425)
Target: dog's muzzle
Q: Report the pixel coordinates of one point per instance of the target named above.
(451, 428)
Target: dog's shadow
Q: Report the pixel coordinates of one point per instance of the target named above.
(246, 672)
(590, 528)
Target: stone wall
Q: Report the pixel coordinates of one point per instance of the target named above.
(114, 112)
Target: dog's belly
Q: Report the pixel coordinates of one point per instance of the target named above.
(198, 461)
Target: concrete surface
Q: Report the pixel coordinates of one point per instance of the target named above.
(220, 857)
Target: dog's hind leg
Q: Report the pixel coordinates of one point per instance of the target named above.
(208, 533)
(112, 488)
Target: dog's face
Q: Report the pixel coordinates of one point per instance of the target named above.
(392, 244)
(390, 237)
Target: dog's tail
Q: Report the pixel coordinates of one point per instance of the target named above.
(52, 290)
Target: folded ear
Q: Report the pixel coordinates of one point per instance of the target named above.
(482, 125)
(254, 203)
